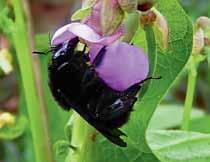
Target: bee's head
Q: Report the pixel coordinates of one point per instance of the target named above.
(64, 50)
(61, 51)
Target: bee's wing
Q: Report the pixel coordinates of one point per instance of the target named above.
(112, 135)
(114, 138)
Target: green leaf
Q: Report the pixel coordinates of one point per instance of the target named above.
(12, 131)
(81, 13)
(61, 149)
(200, 124)
(179, 146)
(2, 4)
(68, 127)
(102, 150)
(170, 116)
(6, 23)
(170, 63)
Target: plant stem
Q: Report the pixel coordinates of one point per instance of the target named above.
(152, 55)
(37, 115)
(81, 139)
(192, 75)
(151, 46)
(131, 26)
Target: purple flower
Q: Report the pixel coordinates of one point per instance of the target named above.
(84, 32)
(122, 66)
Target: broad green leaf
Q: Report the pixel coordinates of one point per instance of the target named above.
(61, 149)
(200, 124)
(170, 63)
(94, 148)
(6, 23)
(179, 146)
(81, 13)
(2, 4)
(170, 116)
(103, 151)
(68, 127)
(11, 131)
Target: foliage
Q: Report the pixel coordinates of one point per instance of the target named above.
(12, 131)
(153, 130)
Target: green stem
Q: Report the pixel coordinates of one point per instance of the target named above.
(81, 139)
(192, 75)
(2, 4)
(36, 112)
(152, 54)
(131, 26)
(151, 47)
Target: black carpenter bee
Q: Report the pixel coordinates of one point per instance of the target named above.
(75, 84)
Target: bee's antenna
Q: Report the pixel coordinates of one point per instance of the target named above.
(44, 53)
(39, 53)
(150, 78)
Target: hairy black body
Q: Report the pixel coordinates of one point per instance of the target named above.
(75, 84)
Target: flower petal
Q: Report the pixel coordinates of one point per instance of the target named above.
(83, 31)
(94, 50)
(93, 20)
(122, 66)
(69, 31)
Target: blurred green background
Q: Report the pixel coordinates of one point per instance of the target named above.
(48, 15)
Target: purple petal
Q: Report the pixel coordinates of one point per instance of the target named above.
(61, 35)
(94, 19)
(83, 31)
(69, 31)
(94, 50)
(122, 66)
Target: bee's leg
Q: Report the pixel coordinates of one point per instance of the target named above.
(99, 105)
(120, 107)
(132, 91)
(120, 104)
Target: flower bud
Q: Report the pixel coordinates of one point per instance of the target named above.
(6, 118)
(148, 18)
(88, 3)
(128, 5)
(111, 16)
(5, 61)
(162, 29)
(198, 41)
(145, 5)
(131, 25)
(203, 22)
